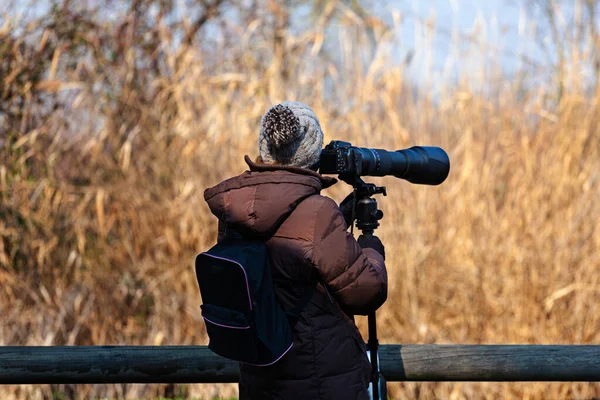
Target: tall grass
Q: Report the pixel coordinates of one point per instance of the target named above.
(114, 121)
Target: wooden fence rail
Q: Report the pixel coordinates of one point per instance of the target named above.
(197, 364)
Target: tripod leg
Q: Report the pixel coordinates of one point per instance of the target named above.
(380, 392)
(373, 345)
(382, 388)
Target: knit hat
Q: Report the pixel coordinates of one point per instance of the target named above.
(290, 134)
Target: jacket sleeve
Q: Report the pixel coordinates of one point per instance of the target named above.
(356, 277)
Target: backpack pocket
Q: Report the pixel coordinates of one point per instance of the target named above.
(231, 333)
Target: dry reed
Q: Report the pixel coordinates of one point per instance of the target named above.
(111, 130)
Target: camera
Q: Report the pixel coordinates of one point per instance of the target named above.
(419, 164)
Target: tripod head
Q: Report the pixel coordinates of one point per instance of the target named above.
(365, 210)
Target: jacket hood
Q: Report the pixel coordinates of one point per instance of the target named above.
(256, 202)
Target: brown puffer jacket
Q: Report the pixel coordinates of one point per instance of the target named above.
(308, 243)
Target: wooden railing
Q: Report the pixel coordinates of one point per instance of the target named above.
(197, 364)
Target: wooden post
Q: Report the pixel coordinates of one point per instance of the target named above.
(114, 364)
(481, 363)
(197, 364)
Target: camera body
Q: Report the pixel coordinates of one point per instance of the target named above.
(338, 158)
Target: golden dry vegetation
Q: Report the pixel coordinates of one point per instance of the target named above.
(113, 122)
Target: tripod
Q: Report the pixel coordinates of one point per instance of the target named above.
(367, 217)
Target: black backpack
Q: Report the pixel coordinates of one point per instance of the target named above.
(243, 319)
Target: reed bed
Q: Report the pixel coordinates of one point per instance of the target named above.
(114, 121)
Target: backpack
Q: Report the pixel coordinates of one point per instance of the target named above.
(244, 320)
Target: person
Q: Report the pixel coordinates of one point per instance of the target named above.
(316, 263)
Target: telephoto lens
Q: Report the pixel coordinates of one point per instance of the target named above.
(423, 165)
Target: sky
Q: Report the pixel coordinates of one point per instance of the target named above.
(499, 33)
(470, 36)
(470, 39)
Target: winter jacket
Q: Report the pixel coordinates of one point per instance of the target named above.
(314, 259)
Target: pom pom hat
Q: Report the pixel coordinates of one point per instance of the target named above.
(290, 134)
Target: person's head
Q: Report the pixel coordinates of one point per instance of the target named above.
(290, 134)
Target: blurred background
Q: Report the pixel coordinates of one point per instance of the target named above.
(116, 115)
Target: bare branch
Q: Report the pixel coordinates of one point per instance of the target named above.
(210, 11)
